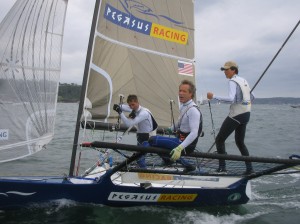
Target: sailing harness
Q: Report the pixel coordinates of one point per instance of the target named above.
(182, 135)
(142, 137)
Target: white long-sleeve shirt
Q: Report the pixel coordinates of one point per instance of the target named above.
(142, 121)
(189, 121)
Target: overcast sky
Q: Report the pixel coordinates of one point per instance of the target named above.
(247, 31)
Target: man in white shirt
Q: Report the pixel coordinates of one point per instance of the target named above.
(188, 128)
(140, 117)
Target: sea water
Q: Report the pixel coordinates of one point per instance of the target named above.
(273, 131)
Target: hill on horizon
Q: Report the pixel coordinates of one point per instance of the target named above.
(71, 93)
(277, 100)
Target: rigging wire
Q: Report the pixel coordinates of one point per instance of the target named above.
(212, 121)
(119, 117)
(213, 127)
(120, 138)
(275, 56)
(172, 114)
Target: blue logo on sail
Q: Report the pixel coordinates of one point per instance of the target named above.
(155, 30)
(137, 6)
(127, 21)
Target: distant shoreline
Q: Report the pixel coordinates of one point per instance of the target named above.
(277, 100)
(272, 101)
(70, 93)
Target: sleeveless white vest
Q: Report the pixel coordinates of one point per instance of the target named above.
(245, 105)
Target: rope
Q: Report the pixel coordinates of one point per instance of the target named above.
(275, 56)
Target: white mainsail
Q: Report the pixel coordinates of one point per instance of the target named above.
(143, 47)
(30, 61)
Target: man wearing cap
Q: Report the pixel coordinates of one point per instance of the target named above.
(240, 98)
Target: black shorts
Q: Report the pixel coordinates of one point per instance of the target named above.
(142, 137)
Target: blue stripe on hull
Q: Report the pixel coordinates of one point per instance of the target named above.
(16, 193)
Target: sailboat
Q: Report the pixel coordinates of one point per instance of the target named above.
(141, 47)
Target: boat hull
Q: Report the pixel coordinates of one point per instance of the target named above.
(16, 193)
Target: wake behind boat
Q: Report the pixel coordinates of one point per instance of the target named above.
(134, 47)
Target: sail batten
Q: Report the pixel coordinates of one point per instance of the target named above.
(144, 49)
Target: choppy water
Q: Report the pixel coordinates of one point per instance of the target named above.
(273, 131)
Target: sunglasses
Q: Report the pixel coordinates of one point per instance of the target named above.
(224, 69)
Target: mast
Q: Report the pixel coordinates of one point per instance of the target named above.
(83, 87)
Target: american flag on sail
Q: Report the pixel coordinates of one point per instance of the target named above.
(185, 68)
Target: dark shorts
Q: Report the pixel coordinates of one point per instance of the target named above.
(142, 137)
